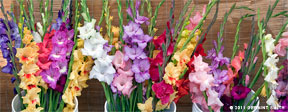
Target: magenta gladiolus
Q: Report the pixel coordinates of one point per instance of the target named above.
(163, 91)
(240, 92)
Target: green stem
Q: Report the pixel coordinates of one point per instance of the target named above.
(133, 8)
(102, 14)
(222, 28)
(108, 21)
(51, 13)
(140, 93)
(183, 12)
(31, 11)
(51, 103)
(200, 24)
(123, 103)
(44, 101)
(120, 14)
(151, 31)
(148, 92)
(235, 46)
(256, 77)
(206, 99)
(57, 100)
(108, 97)
(149, 8)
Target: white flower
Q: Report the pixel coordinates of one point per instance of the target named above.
(105, 59)
(271, 62)
(98, 39)
(94, 50)
(271, 77)
(102, 72)
(93, 46)
(40, 29)
(273, 101)
(269, 44)
(36, 37)
(87, 31)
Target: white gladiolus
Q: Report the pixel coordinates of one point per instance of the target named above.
(102, 72)
(36, 37)
(273, 100)
(269, 44)
(103, 69)
(87, 30)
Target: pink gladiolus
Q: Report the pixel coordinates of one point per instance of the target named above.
(247, 78)
(280, 48)
(236, 63)
(118, 60)
(122, 67)
(202, 78)
(194, 21)
(214, 101)
(123, 83)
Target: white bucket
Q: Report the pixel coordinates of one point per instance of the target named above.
(172, 107)
(16, 104)
(195, 107)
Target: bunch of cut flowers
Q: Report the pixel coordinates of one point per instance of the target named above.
(45, 58)
(143, 72)
(232, 76)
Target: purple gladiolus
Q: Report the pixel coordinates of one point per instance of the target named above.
(222, 60)
(56, 26)
(60, 39)
(141, 19)
(132, 30)
(134, 53)
(141, 70)
(142, 40)
(4, 42)
(61, 83)
(129, 11)
(8, 68)
(107, 47)
(51, 76)
(211, 54)
(13, 79)
(218, 60)
(58, 53)
(136, 43)
(220, 76)
(62, 65)
(220, 89)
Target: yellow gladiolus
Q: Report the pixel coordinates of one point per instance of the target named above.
(147, 106)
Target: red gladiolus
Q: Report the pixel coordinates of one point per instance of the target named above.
(200, 51)
(45, 48)
(154, 63)
(170, 49)
(160, 40)
(182, 88)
